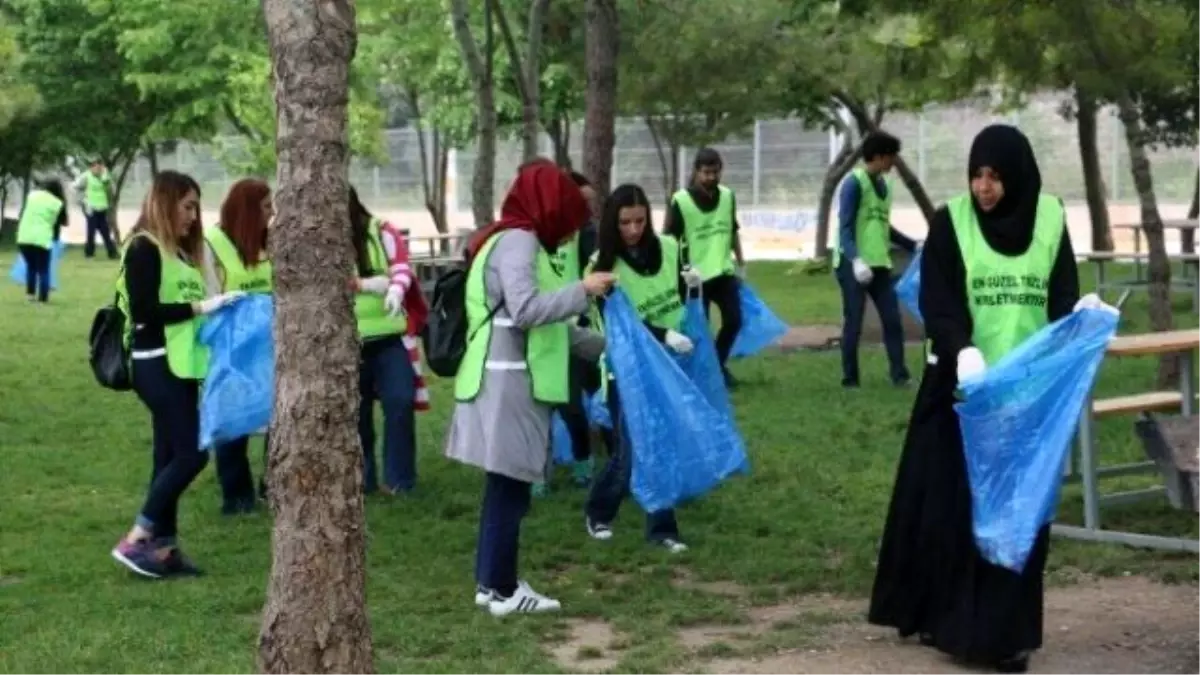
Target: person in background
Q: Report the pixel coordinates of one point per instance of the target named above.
(161, 290)
(42, 215)
(237, 260)
(385, 372)
(704, 219)
(652, 274)
(96, 190)
(521, 334)
(931, 579)
(862, 261)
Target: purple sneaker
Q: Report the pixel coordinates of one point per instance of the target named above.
(139, 558)
(179, 565)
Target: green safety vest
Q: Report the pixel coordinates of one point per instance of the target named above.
(36, 227)
(656, 297)
(872, 224)
(97, 190)
(1007, 294)
(254, 279)
(181, 282)
(566, 259)
(369, 310)
(547, 347)
(708, 236)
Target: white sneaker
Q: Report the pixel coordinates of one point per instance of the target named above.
(525, 600)
(598, 531)
(483, 596)
(673, 545)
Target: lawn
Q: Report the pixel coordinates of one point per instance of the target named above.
(76, 459)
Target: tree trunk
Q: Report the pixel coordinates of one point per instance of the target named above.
(559, 131)
(527, 71)
(913, 182)
(1093, 176)
(483, 179)
(667, 160)
(1189, 236)
(603, 36)
(841, 165)
(114, 209)
(152, 158)
(1159, 265)
(315, 618)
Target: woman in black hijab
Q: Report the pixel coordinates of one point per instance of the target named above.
(931, 580)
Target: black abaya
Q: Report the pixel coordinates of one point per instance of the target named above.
(931, 579)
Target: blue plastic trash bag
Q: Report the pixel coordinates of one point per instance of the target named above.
(17, 273)
(908, 287)
(239, 391)
(682, 446)
(560, 441)
(760, 327)
(597, 410)
(701, 365)
(1017, 420)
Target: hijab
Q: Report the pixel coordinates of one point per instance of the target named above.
(1008, 227)
(542, 200)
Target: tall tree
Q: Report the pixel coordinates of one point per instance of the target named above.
(527, 69)
(315, 618)
(480, 66)
(600, 100)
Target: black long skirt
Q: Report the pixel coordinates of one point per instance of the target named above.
(931, 578)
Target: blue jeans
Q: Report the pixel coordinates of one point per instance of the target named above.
(385, 374)
(505, 503)
(854, 303)
(234, 472)
(611, 487)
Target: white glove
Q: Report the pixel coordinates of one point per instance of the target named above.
(691, 278)
(377, 285)
(1093, 301)
(393, 302)
(862, 271)
(970, 364)
(678, 342)
(218, 301)
(741, 271)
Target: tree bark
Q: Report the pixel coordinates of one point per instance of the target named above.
(668, 158)
(1093, 176)
(527, 71)
(1159, 267)
(152, 158)
(483, 179)
(1189, 236)
(559, 130)
(603, 38)
(841, 165)
(315, 618)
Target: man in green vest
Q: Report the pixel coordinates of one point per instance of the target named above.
(96, 191)
(862, 260)
(704, 220)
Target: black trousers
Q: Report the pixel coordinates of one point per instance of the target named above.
(723, 292)
(37, 271)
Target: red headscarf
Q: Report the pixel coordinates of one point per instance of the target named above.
(542, 200)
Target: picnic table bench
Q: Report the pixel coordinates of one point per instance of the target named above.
(1188, 281)
(1088, 472)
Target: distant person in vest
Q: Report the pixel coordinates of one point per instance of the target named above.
(863, 261)
(652, 274)
(96, 189)
(161, 290)
(931, 580)
(385, 370)
(237, 260)
(42, 215)
(704, 219)
(521, 334)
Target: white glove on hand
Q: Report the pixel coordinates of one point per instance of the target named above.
(691, 278)
(1093, 301)
(970, 364)
(218, 301)
(862, 272)
(377, 285)
(679, 343)
(393, 302)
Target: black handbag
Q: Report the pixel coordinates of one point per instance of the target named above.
(108, 353)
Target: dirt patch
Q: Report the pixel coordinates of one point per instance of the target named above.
(591, 646)
(817, 336)
(683, 579)
(1126, 625)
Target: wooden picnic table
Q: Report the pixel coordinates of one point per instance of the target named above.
(1182, 342)
(1180, 224)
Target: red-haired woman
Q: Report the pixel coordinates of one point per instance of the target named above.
(237, 261)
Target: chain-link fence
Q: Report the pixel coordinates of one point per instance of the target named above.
(777, 164)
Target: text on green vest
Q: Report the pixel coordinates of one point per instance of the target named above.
(238, 276)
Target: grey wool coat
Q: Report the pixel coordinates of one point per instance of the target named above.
(503, 430)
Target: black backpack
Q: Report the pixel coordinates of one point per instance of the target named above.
(445, 333)
(108, 354)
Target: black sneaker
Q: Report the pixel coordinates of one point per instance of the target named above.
(902, 382)
(731, 382)
(177, 564)
(598, 531)
(850, 384)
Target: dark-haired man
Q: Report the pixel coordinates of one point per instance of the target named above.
(862, 261)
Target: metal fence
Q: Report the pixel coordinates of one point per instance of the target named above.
(777, 164)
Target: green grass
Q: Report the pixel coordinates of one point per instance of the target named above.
(76, 460)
